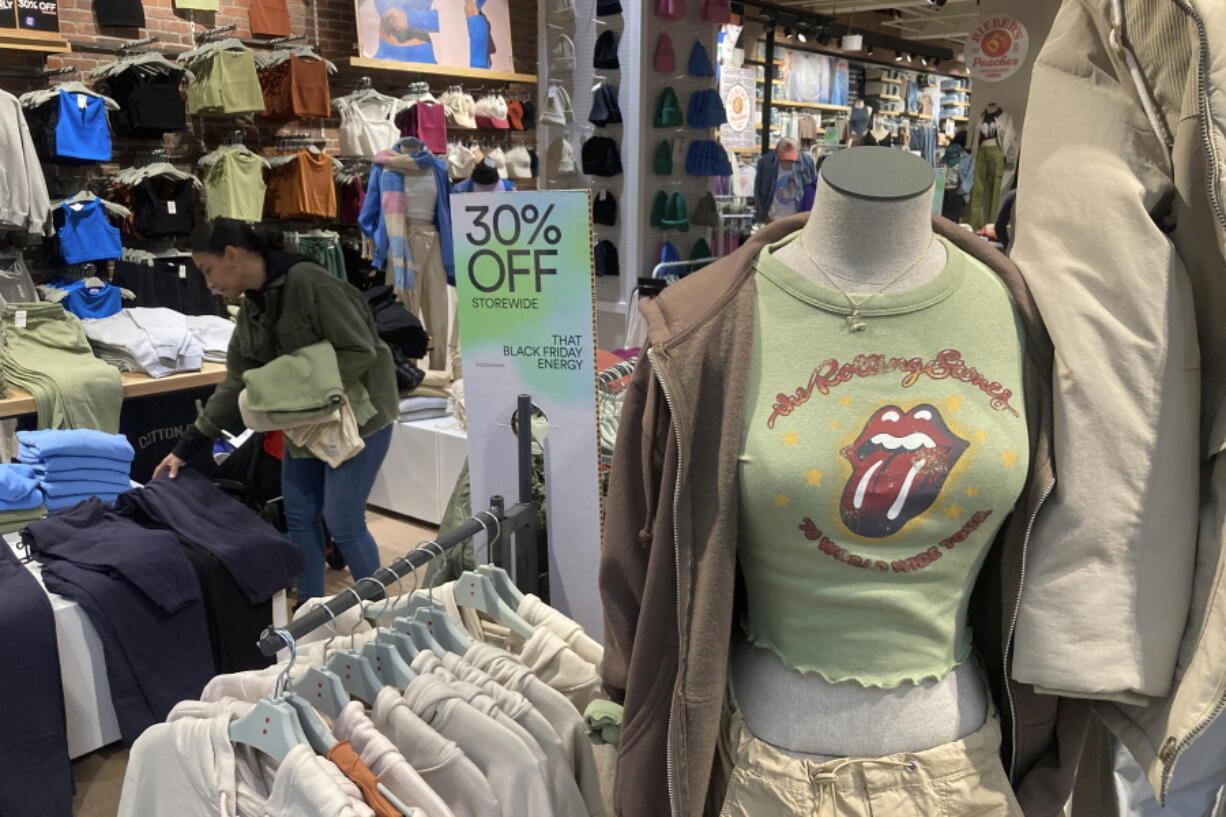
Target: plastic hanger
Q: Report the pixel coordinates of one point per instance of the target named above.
(385, 656)
(272, 726)
(356, 673)
(395, 637)
(501, 580)
(322, 687)
(477, 591)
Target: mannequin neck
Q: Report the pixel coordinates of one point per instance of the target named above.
(865, 244)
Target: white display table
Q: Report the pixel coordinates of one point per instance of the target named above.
(422, 465)
(87, 693)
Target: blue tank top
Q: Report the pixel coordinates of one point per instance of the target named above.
(86, 234)
(82, 130)
(89, 302)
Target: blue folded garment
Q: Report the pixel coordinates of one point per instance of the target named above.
(87, 487)
(110, 476)
(31, 499)
(61, 502)
(16, 481)
(69, 467)
(76, 442)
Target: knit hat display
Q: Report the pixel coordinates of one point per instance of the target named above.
(519, 163)
(667, 253)
(561, 11)
(717, 12)
(705, 109)
(601, 157)
(663, 162)
(606, 259)
(562, 55)
(706, 214)
(556, 110)
(515, 114)
(671, 9)
(657, 209)
(665, 59)
(605, 110)
(700, 63)
(707, 158)
(605, 8)
(561, 157)
(674, 214)
(604, 209)
(668, 109)
(605, 55)
(701, 249)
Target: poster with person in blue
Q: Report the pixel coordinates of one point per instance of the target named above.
(470, 34)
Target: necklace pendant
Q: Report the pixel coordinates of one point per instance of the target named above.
(854, 324)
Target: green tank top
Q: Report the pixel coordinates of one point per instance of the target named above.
(876, 468)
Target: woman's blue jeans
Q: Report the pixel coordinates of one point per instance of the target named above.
(316, 493)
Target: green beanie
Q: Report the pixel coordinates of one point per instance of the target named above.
(675, 217)
(668, 110)
(657, 209)
(664, 159)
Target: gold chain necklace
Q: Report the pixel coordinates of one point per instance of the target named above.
(854, 322)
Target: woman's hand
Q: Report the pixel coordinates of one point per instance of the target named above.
(169, 466)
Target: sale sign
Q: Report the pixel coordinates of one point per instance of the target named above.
(525, 299)
(997, 48)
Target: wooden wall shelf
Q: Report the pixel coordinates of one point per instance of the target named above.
(47, 42)
(370, 63)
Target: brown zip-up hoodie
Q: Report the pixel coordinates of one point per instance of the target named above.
(668, 561)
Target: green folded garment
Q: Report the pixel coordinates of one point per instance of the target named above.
(13, 521)
(604, 722)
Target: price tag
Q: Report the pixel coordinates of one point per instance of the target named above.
(19, 320)
(82, 101)
(183, 272)
(171, 207)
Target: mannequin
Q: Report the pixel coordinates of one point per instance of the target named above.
(992, 143)
(858, 121)
(891, 189)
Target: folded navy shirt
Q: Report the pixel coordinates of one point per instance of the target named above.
(260, 559)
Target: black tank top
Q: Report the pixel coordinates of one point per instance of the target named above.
(123, 13)
(164, 207)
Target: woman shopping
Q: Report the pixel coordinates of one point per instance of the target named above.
(304, 357)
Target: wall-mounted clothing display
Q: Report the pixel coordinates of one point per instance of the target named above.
(601, 157)
(172, 281)
(705, 109)
(269, 18)
(301, 186)
(605, 255)
(605, 109)
(86, 233)
(604, 55)
(705, 157)
(225, 81)
(664, 60)
(24, 203)
(367, 123)
(604, 209)
(295, 84)
(426, 121)
(668, 110)
(146, 89)
(234, 183)
(70, 124)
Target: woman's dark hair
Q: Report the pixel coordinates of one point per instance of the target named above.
(216, 235)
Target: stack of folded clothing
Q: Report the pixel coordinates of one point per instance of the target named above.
(21, 502)
(153, 340)
(213, 334)
(74, 465)
(422, 408)
(46, 353)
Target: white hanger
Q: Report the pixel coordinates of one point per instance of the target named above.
(389, 663)
(272, 726)
(356, 673)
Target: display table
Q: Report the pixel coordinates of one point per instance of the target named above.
(423, 462)
(20, 402)
(87, 692)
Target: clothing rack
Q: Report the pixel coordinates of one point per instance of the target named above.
(215, 32)
(509, 525)
(282, 40)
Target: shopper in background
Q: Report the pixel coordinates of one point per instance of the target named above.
(290, 302)
(785, 182)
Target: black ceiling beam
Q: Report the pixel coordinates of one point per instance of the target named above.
(795, 16)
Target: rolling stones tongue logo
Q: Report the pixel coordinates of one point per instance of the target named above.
(899, 464)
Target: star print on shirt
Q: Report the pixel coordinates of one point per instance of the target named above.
(972, 492)
(791, 438)
(954, 403)
(846, 402)
(1009, 458)
(954, 511)
(980, 436)
(782, 501)
(813, 477)
(835, 424)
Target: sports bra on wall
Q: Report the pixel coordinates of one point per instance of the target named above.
(164, 207)
(81, 130)
(87, 235)
(367, 127)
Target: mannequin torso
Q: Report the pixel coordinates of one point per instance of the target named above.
(874, 239)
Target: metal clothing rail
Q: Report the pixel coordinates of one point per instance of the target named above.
(506, 524)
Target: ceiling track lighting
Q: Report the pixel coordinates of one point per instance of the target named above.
(898, 57)
(868, 51)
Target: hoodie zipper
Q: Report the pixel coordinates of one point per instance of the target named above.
(1171, 750)
(1017, 606)
(672, 703)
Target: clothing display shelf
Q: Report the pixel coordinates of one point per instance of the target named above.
(784, 103)
(15, 39)
(372, 64)
(19, 402)
(959, 118)
(502, 526)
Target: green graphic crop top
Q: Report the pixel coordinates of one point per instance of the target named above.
(876, 468)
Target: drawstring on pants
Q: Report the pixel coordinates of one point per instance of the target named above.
(826, 783)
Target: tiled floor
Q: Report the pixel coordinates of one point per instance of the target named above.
(99, 776)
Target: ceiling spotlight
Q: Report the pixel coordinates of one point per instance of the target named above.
(854, 42)
(823, 37)
(898, 57)
(937, 3)
(800, 35)
(868, 51)
(908, 58)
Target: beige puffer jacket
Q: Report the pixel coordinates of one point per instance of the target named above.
(1121, 230)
